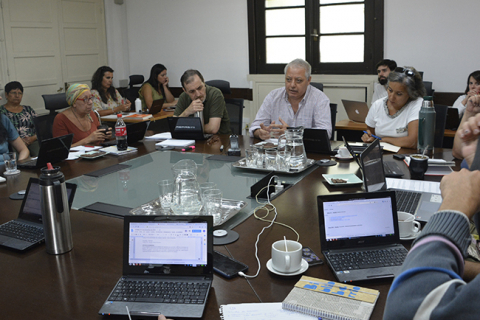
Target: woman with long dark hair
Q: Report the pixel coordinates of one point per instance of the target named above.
(106, 99)
(473, 88)
(156, 88)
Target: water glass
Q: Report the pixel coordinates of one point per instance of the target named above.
(260, 156)
(213, 201)
(251, 157)
(271, 159)
(204, 187)
(165, 191)
(283, 160)
(10, 159)
(187, 203)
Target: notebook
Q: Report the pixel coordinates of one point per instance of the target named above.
(187, 128)
(317, 141)
(160, 255)
(135, 132)
(359, 235)
(51, 150)
(421, 204)
(356, 110)
(26, 231)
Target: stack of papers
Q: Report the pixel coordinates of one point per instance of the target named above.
(176, 143)
(160, 136)
(114, 150)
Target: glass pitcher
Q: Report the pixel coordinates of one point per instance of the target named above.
(292, 142)
(186, 198)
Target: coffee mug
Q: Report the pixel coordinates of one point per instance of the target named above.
(343, 152)
(287, 260)
(418, 166)
(407, 224)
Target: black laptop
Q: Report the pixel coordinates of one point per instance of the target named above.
(135, 132)
(359, 235)
(51, 150)
(27, 230)
(317, 141)
(187, 128)
(453, 119)
(167, 267)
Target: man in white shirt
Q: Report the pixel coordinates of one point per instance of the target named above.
(384, 67)
(296, 104)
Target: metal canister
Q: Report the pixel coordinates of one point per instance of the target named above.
(426, 127)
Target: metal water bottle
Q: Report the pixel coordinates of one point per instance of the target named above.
(55, 211)
(200, 115)
(426, 127)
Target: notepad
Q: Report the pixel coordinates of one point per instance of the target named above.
(176, 143)
(260, 311)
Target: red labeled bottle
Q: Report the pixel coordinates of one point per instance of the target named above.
(121, 133)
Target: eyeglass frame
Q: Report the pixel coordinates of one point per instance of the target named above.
(406, 71)
(90, 99)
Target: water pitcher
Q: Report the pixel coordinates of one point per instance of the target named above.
(292, 142)
(187, 198)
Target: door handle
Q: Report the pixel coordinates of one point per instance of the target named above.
(60, 89)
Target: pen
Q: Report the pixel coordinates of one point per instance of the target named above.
(189, 148)
(373, 135)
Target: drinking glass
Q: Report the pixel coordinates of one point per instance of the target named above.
(283, 160)
(271, 159)
(187, 203)
(213, 201)
(204, 187)
(251, 157)
(165, 190)
(10, 159)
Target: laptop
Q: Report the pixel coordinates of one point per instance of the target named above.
(167, 267)
(157, 106)
(135, 132)
(26, 231)
(356, 110)
(51, 150)
(187, 128)
(317, 141)
(359, 235)
(421, 204)
(453, 119)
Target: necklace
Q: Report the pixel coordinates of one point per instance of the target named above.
(83, 128)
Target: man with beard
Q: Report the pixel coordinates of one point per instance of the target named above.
(384, 67)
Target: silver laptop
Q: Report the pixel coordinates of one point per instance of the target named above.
(359, 235)
(421, 204)
(167, 267)
(356, 110)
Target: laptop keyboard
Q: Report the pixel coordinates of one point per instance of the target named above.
(392, 169)
(407, 201)
(160, 291)
(22, 231)
(367, 259)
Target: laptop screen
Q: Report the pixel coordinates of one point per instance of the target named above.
(372, 165)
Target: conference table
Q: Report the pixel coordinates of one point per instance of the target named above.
(74, 285)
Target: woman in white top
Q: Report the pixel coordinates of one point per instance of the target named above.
(395, 118)
(106, 99)
(473, 88)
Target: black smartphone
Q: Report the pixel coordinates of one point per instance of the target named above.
(227, 266)
(311, 257)
(399, 156)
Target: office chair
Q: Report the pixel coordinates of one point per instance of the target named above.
(234, 105)
(440, 120)
(317, 85)
(428, 87)
(54, 102)
(223, 85)
(43, 126)
(333, 117)
(135, 83)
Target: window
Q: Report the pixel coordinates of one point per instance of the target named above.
(334, 36)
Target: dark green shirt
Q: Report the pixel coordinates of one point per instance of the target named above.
(213, 107)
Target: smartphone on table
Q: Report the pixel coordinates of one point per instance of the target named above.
(226, 266)
(311, 257)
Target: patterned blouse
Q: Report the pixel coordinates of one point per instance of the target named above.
(22, 121)
(99, 105)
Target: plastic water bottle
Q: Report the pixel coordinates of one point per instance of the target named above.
(426, 127)
(138, 105)
(121, 133)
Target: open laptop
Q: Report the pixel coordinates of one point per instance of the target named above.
(359, 235)
(317, 141)
(421, 204)
(187, 128)
(157, 106)
(26, 231)
(453, 119)
(356, 110)
(167, 267)
(51, 150)
(135, 132)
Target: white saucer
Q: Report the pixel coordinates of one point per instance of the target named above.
(343, 158)
(11, 173)
(303, 268)
(413, 236)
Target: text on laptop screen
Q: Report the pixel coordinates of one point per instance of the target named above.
(160, 243)
(358, 218)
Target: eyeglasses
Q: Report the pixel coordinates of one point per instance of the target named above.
(86, 100)
(408, 72)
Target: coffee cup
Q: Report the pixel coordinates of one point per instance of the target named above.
(407, 225)
(289, 259)
(418, 166)
(343, 152)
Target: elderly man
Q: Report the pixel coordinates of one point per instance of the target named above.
(197, 96)
(296, 104)
(384, 67)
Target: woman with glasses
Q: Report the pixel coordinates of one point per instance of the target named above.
(106, 99)
(80, 119)
(395, 117)
(156, 88)
(20, 116)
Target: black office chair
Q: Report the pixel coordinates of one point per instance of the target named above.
(234, 105)
(223, 85)
(440, 120)
(333, 117)
(54, 102)
(135, 83)
(428, 87)
(43, 126)
(317, 85)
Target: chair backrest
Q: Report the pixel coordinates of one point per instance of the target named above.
(333, 117)
(440, 120)
(235, 113)
(43, 126)
(135, 83)
(54, 102)
(135, 80)
(429, 88)
(317, 85)
(223, 85)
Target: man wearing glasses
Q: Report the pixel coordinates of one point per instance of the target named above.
(384, 67)
(198, 97)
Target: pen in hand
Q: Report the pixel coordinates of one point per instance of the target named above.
(376, 137)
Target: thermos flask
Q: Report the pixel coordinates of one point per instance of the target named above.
(55, 211)
(426, 127)
(200, 115)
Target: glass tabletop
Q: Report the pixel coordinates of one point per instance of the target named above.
(137, 185)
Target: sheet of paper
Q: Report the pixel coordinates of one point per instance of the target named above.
(263, 311)
(389, 147)
(176, 143)
(160, 136)
(414, 185)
